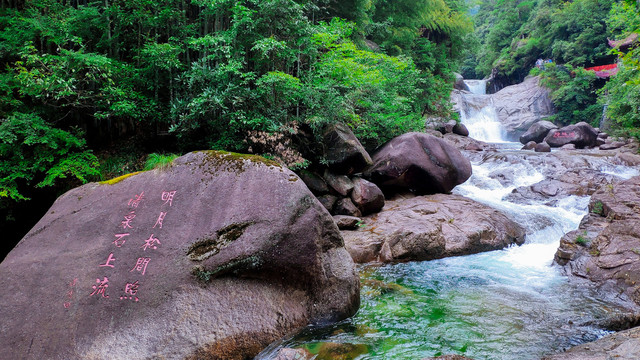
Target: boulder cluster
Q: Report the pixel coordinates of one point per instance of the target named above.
(354, 184)
(544, 135)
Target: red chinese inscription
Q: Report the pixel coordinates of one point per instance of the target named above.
(101, 287)
(130, 291)
(564, 134)
(126, 223)
(141, 265)
(150, 243)
(119, 241)
(167, 197)
(108, 262)
(67, 304)
(135, 201)
(160, 220)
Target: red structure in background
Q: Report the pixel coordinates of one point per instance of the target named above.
(604, 71)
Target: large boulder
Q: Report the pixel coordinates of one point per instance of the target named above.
(460, 129)
(430, 227)
(343, 151)
(420, 163)
(606, 247)
(314, 182)
(214, 257)
(367, 196)
(537, 132)
(542, 147)
(520, 106)
(582, 135)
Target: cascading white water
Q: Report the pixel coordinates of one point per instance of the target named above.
(478, 87)
(478, 113)
(506, 304)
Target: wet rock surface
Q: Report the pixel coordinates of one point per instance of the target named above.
(214, 257)
(565, 173)
(430, 227)
(606, 247)
(463, 143)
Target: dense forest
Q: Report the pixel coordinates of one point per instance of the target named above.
(511, 35)
(91, 88)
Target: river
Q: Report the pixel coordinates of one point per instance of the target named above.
(507, 304)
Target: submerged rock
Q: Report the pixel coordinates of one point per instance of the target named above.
(449, 357)
(419, 163)
(293, 354)
(214, 257)
(431, 227)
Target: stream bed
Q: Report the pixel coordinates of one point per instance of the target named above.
(511, 304)
(506, 304)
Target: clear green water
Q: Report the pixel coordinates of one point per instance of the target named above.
(464, 306)
(417, 310)
(511, 304)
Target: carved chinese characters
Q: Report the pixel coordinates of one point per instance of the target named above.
(124, 245)
(564, 134)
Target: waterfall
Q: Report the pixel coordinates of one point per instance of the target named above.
(502, 305)
(478, 113)
(478, 87)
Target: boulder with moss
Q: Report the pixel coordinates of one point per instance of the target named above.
(213, 257)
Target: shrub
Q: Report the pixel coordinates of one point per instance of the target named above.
(159, 161)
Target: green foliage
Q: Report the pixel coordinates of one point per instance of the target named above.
(515, 34)
(622, 93)
(573, 92)
(373, 93)
(598, 208)
(36, 154)
(159, 161)
(623, 18)
(582, 240)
